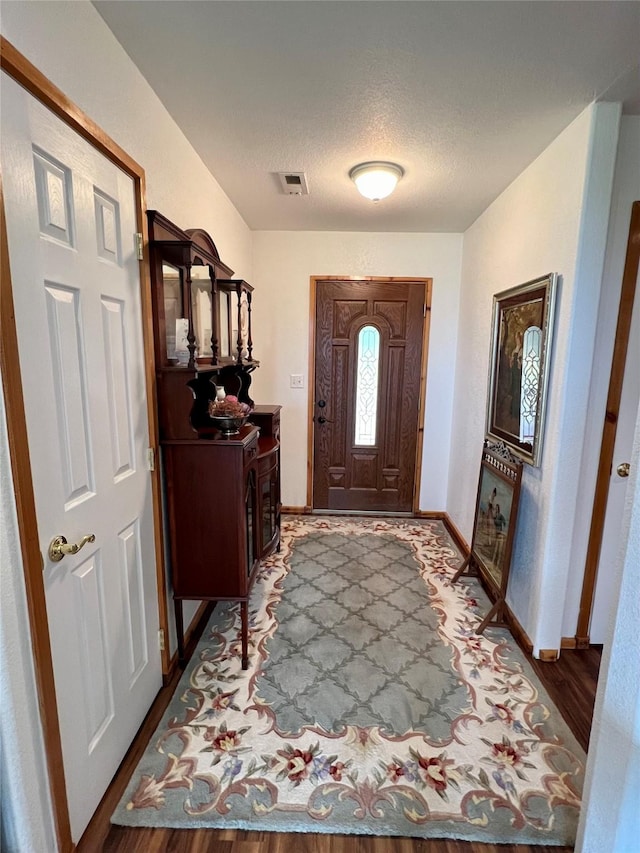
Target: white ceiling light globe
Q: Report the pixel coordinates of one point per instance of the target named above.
(376, 180)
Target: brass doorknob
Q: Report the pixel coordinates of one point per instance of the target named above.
(58, 546)
(623, 469)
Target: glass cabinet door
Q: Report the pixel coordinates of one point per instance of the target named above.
(202, 309)
(172, 296)
(249, 507)
(266, 503)
(268, 508)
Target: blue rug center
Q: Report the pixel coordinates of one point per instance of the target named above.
(357, 642)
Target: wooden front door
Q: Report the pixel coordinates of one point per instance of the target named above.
(368, 360)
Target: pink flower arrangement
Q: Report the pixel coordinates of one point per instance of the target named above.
(229, 407)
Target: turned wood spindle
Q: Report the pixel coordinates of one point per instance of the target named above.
(249, 339)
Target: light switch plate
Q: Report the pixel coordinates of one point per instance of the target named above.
(296, 380)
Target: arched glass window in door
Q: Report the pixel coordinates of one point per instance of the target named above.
(367, 380)
(530, 380)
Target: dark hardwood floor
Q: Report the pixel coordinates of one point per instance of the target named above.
(570, 681)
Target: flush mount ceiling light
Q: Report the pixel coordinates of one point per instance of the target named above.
(377, 179)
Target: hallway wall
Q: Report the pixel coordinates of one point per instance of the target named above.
(626, 190)
(552, 218)
(70, 43)
(284, 261)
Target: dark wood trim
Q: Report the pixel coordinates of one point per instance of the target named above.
(27, 75)
(95, 834)
(311, 386)
(609, 429)
(457, 537)
(152, 413)
(296, 510)
(547, 655)
(30, 545)
(34, 81)
(426, 327)
(519, 634)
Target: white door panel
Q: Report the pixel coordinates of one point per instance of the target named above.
(71, 225)
(603, 600)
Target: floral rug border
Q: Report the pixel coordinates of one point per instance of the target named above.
(218, 760)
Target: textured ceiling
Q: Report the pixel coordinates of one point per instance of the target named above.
(462, 94)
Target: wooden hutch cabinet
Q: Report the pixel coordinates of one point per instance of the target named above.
(222, 492)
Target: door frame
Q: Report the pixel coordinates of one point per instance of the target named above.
(609, 428)
(428, 285)
(30, 78)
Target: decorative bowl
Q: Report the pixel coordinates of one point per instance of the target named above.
(227, 424)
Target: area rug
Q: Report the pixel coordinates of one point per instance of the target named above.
(370, 705)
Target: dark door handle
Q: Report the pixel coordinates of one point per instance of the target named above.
(322, 420)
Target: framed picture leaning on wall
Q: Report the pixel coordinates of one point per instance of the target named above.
(522, 328)
(494, 524)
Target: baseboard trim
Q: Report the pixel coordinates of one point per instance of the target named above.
(568, 643)
(548, 655)
(452, 530)
(519, 634)
(295, 510)
(457, 537)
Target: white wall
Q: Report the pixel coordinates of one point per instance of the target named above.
(73, 47)
(626, 190)
(283, 264)
(26, 822)
(552, 218)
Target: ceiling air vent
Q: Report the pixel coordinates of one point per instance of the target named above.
(294, 183)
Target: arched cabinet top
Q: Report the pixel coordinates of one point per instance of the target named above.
(202, 242)
(201, 315)
(183, 248)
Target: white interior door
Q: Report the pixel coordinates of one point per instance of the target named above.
(71, 225)
(603, 600)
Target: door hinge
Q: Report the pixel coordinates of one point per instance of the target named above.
(139, 246)
(161, 639)
(151, 459)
